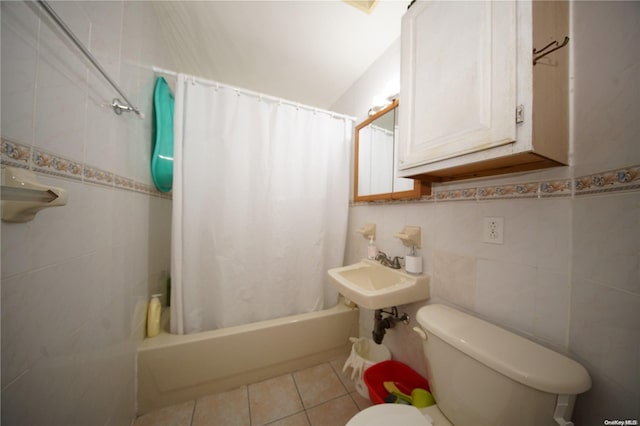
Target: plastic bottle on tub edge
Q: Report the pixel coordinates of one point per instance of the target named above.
(153, 315)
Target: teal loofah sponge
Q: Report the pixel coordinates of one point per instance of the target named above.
(162, 151)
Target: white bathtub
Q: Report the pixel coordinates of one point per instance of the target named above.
(174, 369)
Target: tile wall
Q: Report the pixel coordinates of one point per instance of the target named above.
(75, 280)
(568, 273)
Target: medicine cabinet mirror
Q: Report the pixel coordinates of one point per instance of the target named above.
(375, 171)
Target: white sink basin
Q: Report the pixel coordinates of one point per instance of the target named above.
(373, 286)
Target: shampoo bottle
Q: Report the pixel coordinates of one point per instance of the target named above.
(372, 250)
(153, 316)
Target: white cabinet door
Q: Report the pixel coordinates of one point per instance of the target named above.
(458, 79)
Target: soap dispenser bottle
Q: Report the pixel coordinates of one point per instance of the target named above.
(153, 316)
(372, 250)
(412, 262)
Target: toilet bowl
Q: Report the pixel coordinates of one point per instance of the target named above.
(483, 375)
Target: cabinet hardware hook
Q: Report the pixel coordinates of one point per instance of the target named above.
(544, 52)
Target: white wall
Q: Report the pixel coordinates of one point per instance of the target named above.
(75, 280)
(568, 274)
(604, 319)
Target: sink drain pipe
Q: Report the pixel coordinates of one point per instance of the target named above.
(381, 324)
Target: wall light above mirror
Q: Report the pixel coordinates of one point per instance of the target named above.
(375, 172)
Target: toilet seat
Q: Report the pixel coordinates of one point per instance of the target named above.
(389, 414)
(396, 414)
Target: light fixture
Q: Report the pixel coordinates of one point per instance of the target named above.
(380, 103)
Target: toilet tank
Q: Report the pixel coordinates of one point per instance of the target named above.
(481, 374)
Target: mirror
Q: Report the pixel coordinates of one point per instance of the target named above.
(375, 171)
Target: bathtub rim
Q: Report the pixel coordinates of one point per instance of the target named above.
(167, 339)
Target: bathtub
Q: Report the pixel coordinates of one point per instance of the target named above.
(178, 368)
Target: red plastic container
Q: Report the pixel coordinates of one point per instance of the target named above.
(405, 378)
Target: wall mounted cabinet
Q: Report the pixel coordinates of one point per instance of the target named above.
(473, 102)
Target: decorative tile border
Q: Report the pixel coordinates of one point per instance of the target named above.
(556, 188)
(613, 180)
(624, 179)
(17, 155)
(518, 190)
(124, 183)
(94, 175)
(53, 165)
(457, 195)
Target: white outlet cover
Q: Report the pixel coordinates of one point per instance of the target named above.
(493, 230)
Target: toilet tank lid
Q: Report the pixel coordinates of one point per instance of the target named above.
(509, 354)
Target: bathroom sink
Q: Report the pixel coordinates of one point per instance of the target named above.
(373, 286)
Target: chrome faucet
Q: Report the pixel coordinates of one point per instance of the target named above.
(386, 261)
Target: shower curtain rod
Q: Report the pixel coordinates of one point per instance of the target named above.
(254, 94)
(116, 104)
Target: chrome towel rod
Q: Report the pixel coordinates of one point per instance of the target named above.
(117, 105)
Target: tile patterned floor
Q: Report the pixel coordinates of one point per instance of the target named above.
(318, 396)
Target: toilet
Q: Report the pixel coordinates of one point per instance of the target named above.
(481, 374)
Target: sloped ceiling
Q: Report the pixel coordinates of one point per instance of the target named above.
(304, 51)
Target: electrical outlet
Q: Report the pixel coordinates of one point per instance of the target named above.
(493, 230)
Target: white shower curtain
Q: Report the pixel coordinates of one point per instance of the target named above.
(260, 204)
